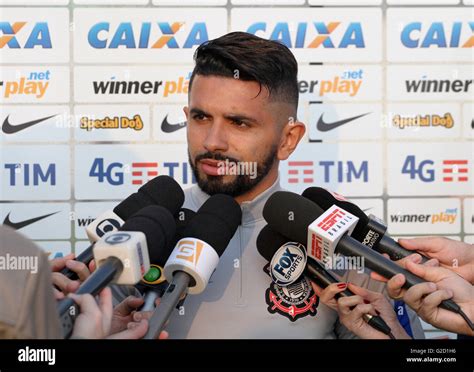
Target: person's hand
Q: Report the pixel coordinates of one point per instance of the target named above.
(94, 320)
(451, 254)
(352, 309)
(415, 257)
(425, 298)
(62, 282)
(140, 316)
(123, 325)
(327, 295)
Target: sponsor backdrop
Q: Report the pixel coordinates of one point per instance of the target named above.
(91, 97)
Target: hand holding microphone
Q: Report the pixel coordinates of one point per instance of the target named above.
(124, 256)
(425, 298)
(62, 284)
(325, 234)
(162, 190)
(288, 261)
(352, 311)
(451, 254)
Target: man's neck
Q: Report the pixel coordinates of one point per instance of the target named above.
(262, 186)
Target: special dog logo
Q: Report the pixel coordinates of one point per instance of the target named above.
(294, 301)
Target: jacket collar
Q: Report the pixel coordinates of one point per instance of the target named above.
(251, 210)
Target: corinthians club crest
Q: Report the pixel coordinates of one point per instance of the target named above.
(294, 301)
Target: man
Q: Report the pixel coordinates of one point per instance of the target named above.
(241, 115)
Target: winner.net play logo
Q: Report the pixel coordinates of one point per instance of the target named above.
(348, 83)
(34, 84)
(165, 89)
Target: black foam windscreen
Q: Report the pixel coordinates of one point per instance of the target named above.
(290, 214)
(132, 205)
(182, 219)
(164, 191)
(326, 200)
(161, 190)
(269, 241)
(215, 222)
(159, 227)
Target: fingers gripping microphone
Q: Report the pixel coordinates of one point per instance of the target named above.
(161, 190)
(274, 247)
(326, 233)
(196, 255)
(369, 230)
(124, 256)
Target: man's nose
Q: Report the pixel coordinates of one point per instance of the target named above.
(216, 139)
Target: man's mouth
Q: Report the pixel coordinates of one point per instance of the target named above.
(210, 166)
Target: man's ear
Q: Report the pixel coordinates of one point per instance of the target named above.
(291, 135)
(186, 112)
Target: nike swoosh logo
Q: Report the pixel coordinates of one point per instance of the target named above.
(7, 128)
(20, 224)
(322, 126)
(170, 128)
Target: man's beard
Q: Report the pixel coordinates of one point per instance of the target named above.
(241, 183)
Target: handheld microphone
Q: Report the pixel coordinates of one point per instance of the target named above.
(196, 255)
(277, 249)
(326, 232)
(124, 256)
(370, 230)
(154, 283)
(161, 190)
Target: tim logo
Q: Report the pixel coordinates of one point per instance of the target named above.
(348, 36)
(333, 218)
(149, 35)
(300, 172)
(190, 250)
(38, 37)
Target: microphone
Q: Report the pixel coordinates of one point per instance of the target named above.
(153, 283)
(326, 232)
(124, 256)
(161, 190)
(196, 255)
(370, 230)
(278, 250)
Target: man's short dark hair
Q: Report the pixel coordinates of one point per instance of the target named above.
(248, 57)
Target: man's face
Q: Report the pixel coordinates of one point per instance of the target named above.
(232, 134)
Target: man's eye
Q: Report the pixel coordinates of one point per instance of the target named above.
(199, 117)
(239, 123)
